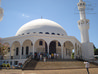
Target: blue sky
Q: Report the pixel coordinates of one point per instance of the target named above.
(64, 12)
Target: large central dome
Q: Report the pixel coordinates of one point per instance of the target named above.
(41, 26)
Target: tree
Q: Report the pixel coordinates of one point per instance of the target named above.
(96, 51)
(3, 49)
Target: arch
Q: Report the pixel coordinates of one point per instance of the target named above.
(67, 49)
(15, 49)
(27, 48)
(55, 47)
(40, 46)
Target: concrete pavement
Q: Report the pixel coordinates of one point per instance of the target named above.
(62, 71)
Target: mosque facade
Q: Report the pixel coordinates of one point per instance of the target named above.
(43, 36)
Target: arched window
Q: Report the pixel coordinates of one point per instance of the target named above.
(31, 44)
(8, 49)
(34, 32)
(59, 44)
(40, 32)
(47, 33)
(53, 33)
(28, 33)
(80, 3)
(62, 34)
(58, 34)
(17, 50)
(23, 34)
(27, 50)
(40, 42)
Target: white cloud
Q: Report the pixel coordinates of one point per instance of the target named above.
(25, 15)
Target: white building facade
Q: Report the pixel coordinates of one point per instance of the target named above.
(46, 36)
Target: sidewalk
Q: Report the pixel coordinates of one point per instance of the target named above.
(63, 71)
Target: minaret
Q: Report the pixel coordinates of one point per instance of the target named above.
(83, 23)
(1, 12)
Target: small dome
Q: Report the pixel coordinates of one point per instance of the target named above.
(44, 26)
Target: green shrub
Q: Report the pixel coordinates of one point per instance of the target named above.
(72, 55)
(3, 65)
(8, 65)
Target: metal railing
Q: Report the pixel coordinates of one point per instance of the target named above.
(13, 57)
(27, 61)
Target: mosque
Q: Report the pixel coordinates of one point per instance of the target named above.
(46, 36)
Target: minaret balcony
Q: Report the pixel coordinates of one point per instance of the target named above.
(81, 5)
(83, 21)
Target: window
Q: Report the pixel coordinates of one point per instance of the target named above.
(34, 32)
(53, 33)
(28, 33)
(22, 50)
(59, 44)
(58, 34)
(10, 62)
(64, 44)
(62, 34)
(80, 3)
(40, 42)
(8, 49)
(40, 32)
(66, 52)
(23, 34)
(47, 33)
(7, 62)
(27, 50)
(17, 51)
(15, 62)
(31, 44)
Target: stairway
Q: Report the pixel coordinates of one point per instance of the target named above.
(52, 65)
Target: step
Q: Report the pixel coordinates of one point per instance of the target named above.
(40, 65)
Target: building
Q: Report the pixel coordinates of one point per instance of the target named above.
(46, 36)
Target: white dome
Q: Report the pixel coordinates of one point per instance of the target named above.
(41, 26)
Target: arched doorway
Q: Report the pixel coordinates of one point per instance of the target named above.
(55, 47)
(52, 47)
(67, 50)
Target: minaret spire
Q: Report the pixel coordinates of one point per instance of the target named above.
(80, 0)
(83, 23)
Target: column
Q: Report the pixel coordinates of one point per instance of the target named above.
(33, 51)
(20, 50)
(10, 53)
(62, 51)
(74, 51)
(48, 48)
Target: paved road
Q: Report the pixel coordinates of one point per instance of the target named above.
(63, 71)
